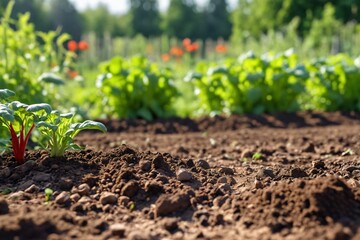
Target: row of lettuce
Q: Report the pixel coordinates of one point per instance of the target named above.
(250, 84)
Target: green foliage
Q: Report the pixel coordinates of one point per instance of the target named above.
(181, 20)
(23, 58)
(64, 15)
(250, 84)
(59, 131)
(141, 10)
(19, 118)
(256, 17)
(217, 19)
(277, 83)
(334, 84)
(135, 88)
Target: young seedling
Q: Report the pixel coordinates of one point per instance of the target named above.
(20, 117)
(256, 156)
(59, 132)
(48, 194)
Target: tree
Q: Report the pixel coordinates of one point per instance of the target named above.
(64, 14)
(38, 15)
(182, 20)
(144, 17)
(217, 20)
(98, 20)
(258, 16)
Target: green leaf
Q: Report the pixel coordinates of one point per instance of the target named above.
(9, 9)
(6, 113)
(46, 125)
(15, 105)
(92, 125)
(67, 115)
(50, 77)
(38, 107)
(192, 75)
(217, 70)
(62, 39)
(5, 93)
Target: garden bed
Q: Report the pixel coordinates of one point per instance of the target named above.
(284, 176)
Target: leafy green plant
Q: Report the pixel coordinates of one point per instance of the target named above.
(59, 131)
(20, 118)
(334, 84)
(135, 88)
(250, 84)
(26, 55)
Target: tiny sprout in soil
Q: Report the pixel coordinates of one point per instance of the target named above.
(48, 194)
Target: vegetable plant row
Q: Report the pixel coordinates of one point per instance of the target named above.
(277, 83)
(57, 130)
(250, 84)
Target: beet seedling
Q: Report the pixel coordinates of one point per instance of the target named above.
(19, 119)
(59, 131)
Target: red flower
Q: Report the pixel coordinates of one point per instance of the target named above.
(72, 74)
(186, 42)
(176, 51)
(192, 47)
(165, 57)
(83, 45)
(72, 46)
(220, 48)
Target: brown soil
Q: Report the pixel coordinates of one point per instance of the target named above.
(285, 176)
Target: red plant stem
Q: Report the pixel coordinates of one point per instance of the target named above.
(19, 144)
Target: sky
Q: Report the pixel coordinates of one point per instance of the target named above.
(115, 6)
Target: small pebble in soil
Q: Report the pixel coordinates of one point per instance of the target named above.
(203, 164)
(118, 229)
(108, 198)
(84, 189)
(63, 199)
(227, 171)
(75, 197)
(222, 180)
(130, 189)
(170, 224)
(84, 200)
(183, 175)
(32, 189)
(264, 173)
(145, 166)
(66, 184)
(167, 204)
(4, 207)
(124, 201)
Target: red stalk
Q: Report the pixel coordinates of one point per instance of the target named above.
(19, 144)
